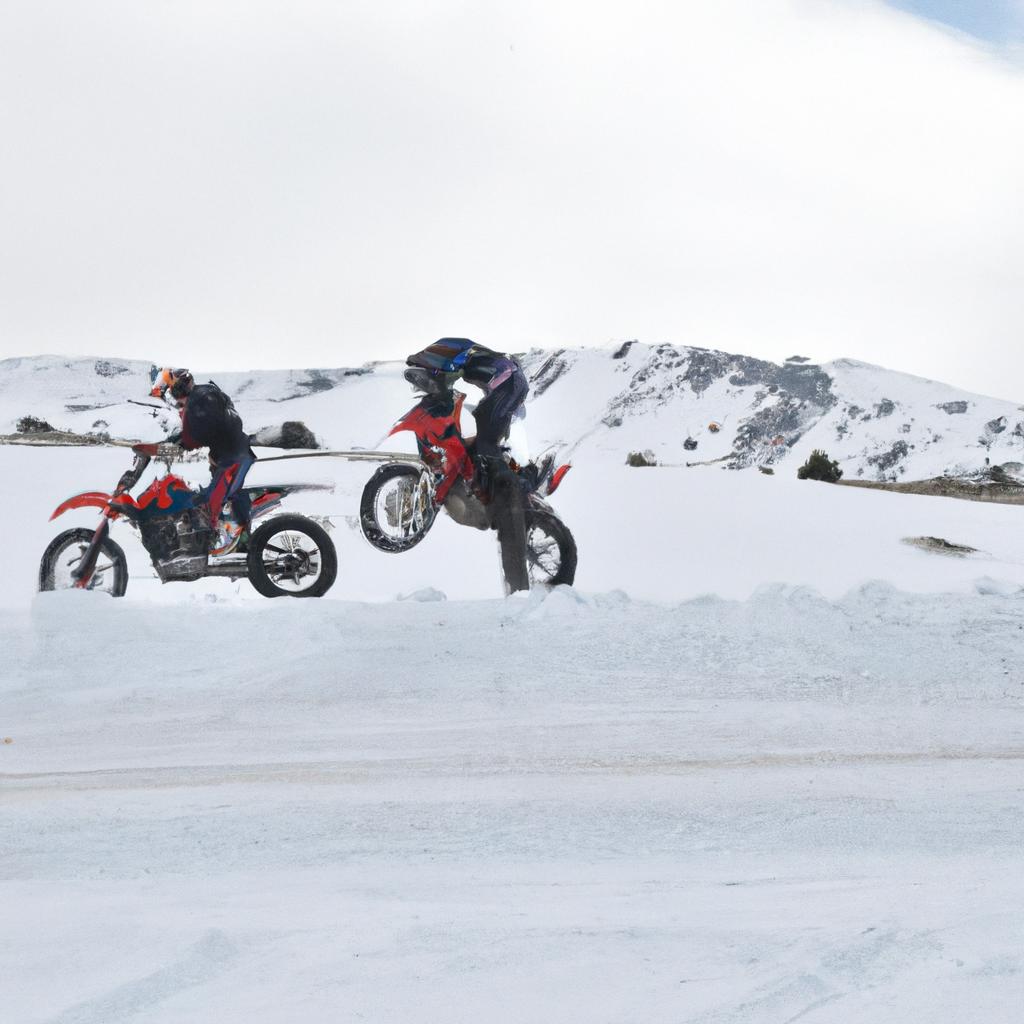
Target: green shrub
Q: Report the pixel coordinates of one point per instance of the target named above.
(33, 425)
(820, 467)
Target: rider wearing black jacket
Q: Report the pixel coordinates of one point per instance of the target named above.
(499, 376)
(505, 388)
(209, 420)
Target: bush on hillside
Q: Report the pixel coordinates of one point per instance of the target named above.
(33, 425)
(820, 467)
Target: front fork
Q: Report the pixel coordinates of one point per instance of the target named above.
(83, 574)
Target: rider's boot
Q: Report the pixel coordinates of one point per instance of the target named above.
(536, 474)
(507, 499)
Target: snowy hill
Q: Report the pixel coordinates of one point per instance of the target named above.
(687, 405)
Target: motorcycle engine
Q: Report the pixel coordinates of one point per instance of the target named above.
(178, 544)
(466, 508)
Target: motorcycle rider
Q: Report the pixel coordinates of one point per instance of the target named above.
(209, 420)
(499, 376)
(505, 388)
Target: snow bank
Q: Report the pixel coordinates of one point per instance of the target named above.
(558, 807)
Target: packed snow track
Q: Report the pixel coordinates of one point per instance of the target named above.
(552, 808)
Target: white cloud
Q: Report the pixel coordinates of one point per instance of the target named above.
(271, 184)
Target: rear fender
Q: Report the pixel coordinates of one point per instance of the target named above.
(87, 499)
(266, 502)
(557, 477)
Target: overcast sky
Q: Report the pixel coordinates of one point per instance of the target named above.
(245, 184)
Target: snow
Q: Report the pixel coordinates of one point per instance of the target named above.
(708, 811)
(762, 764)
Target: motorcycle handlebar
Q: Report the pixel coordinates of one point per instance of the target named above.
(131, 476)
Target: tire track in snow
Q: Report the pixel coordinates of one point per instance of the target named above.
(202, 961)
(352, 771)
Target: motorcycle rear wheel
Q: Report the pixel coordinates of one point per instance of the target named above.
(397, 508)
(550, 550)
(67, 549)
(291, 556)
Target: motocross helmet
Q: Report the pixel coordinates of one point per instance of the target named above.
(430, 382)
(178, 382)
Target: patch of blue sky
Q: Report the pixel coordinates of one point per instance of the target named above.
(997, 21)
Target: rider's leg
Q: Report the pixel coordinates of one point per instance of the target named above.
(241, 503)
(227, 480)
(493, 417)
(494, 414)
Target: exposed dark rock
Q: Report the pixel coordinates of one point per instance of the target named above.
(704, 368)
(940, 546)
(757, 434)
(797, 359)
(290, 434)
(953, 408)
(552, 368)
(886, 407)
(885, 461)
(316, 381)
(621, 351)
(644, 458)
(105, 368)
(996, 426)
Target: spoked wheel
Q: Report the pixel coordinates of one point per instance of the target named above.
(65, 553)
(291, 556)
(550, 550)
(397, 508)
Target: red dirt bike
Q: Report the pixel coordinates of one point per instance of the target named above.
(288, 555)
(400, 502)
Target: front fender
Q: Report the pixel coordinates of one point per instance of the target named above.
(87, 499)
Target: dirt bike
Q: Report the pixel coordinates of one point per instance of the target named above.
(289, 555)
(400, 501)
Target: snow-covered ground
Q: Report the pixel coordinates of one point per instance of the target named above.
(660, 533)
(763, 764)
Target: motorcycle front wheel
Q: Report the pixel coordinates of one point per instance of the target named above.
(64, 554)
(291, 556)
(397, 508)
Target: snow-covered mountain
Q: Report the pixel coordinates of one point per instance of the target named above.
(687, 405)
